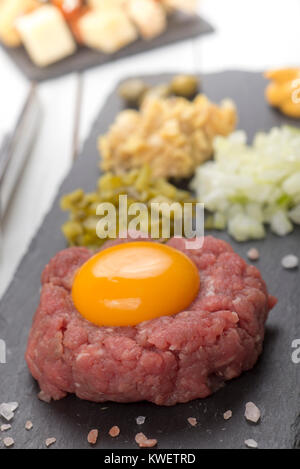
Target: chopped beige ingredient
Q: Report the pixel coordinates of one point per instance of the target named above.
(253, 254)
(227, 415)
(173, 135)
(8, 442)
(28, 425)
(251, 443)
(144, 442)
(252, 412)
(114, 431)
(192, 421)
(50, 441)
(93, 437)
(5, 427)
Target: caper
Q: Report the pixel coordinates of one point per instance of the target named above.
(185, 86)
(133, 91)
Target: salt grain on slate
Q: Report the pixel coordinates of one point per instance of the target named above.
(114, 431)
(5, 427)
(50, 441)
(140, 420)
(7, 410)
(227, 415)
(93, 437)
(144, 442)
(28, 425)
(252, 412)
(192, 421)
(8, 442)
(253, 254)
(290, 262)
(13, 406)
(251, 443)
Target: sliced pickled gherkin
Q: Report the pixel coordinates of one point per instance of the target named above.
(138, 185)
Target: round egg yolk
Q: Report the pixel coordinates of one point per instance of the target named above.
(134, 282)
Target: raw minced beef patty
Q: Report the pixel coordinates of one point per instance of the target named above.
(167, 360)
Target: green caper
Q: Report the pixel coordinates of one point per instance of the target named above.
(132, 91)
(185, 86)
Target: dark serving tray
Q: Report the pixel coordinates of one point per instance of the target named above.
(180, 27)
(273, 384)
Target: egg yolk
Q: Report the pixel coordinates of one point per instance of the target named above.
(134, 282)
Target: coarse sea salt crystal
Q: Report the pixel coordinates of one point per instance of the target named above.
(93, 436)
(253, 254)
(290, 262)
(5, 427)
(251, 443)
(192, 421)
(145, 442)
(8, 442)
(50, 442)
(7, 410)
(227, 415)
(114, 431)
(140, 420)
(28, 425)
(252, 412)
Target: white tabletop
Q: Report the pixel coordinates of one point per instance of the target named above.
(250, 34)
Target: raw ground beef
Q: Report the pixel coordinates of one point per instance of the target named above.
(167, 360)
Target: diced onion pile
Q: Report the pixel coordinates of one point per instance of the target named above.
(249, 187)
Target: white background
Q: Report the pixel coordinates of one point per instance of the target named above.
(250, 34)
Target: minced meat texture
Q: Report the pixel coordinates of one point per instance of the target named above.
(166, 360)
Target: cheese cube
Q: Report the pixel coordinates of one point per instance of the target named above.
(10, 11)
(46, 36)
(108, 30)
(149, 16)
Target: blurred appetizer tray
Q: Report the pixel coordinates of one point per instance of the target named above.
(180, 27)
(273, 384)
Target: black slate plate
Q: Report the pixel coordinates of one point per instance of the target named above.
(273, 384)
(180, 27)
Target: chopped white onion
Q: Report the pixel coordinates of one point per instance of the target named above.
(248, 187)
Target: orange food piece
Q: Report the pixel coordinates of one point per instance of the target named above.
(134, 282)
(70, 10)
(72, 14)
(74, 24)
(282, 75)
(284, 90)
